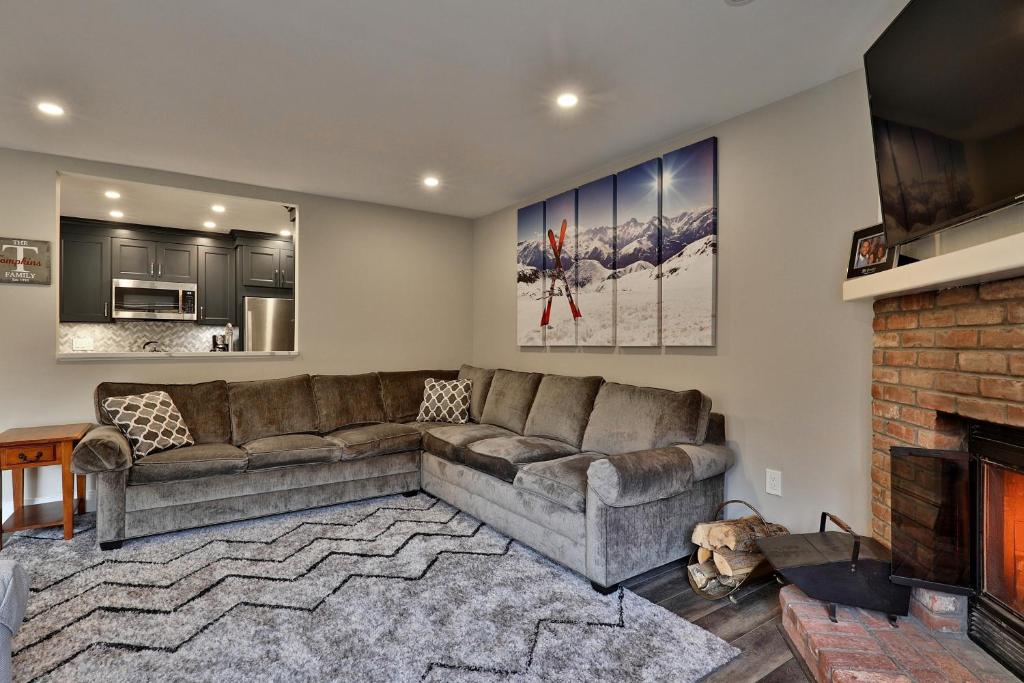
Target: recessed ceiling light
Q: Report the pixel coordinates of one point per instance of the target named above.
(50, 108)
(738, 3)
(112, 194)
(431, 181)
(209, 224)
(218, 208)
(567, 100)
(286, 233)
(117, 214)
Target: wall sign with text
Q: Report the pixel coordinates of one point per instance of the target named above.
(24, 262)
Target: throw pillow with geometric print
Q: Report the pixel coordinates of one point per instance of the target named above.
(446, 401)
(150, 421)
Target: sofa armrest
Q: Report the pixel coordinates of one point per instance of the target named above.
(13, 595)
(628, 479)
(103, 449)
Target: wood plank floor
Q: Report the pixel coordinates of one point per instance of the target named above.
(754, 625)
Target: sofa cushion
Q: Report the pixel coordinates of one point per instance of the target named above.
(562, 481)
(403, 392)
(271, 407)
(347, 400)
(449, 441)
(628, 418)
(424, 427)
(377, 439)
(203, 406)
(502, 456)
(191, 462)
(290, 449)
(481, 379)
(150, 421)
(562, 407)
(509, 399)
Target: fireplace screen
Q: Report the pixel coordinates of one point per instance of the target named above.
(931, 517)
(1004, 535)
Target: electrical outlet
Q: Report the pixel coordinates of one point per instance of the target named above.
(773, 482)
(81, 343)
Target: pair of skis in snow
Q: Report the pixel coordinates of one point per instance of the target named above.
(556, 248)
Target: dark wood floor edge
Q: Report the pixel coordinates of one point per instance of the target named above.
(796, 654)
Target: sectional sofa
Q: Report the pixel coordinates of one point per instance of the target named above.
(607, 479)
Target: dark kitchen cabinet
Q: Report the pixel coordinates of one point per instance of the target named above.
(176, 262)
(261, 266)
(133, 259)
(287, 268)
(150, 260)
(85, 278)
(216, 285)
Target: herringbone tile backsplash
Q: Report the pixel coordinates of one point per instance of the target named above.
(124, 337)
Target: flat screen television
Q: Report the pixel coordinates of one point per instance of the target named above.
(946, 82)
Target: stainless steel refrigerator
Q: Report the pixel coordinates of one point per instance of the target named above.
(269, 324)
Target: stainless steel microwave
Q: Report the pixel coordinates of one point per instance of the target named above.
(145, 300)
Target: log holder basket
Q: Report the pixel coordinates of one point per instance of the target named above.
(758, 578)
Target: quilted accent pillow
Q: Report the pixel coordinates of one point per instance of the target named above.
(446, 401)
(150, 421)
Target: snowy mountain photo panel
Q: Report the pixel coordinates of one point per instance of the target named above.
(595, 265)
(560, 270)
(627, 260)
(689, 233)
(637, 254)
(530, 275)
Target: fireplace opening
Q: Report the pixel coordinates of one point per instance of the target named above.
(958, 526)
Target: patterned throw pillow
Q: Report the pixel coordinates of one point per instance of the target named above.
(151, 422)
(446, 401)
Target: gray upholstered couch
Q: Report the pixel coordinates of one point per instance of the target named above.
(607, 479)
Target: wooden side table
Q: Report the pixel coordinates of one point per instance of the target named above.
(28, 447)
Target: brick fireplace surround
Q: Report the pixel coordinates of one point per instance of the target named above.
(939, 357)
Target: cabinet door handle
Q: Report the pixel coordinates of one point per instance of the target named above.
(151, 266)
(275, 276)
(160, 270)
(202, 312)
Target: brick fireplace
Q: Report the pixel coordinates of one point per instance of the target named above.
(940, 357)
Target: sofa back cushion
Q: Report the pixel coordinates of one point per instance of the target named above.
(481, 379)
(403, 391)
(562, 407)
(628, 418)
(203, 406)
(347, 400)
(509, 400)
(272, 407)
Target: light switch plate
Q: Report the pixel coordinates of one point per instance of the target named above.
(81, 343)
(773, 482)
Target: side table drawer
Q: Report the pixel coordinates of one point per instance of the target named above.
(29, 455)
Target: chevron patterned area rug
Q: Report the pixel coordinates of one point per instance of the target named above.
(389, 589)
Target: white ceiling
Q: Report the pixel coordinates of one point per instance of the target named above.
(361, 98)
(170, 207)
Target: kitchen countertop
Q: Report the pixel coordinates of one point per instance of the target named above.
(163, 355)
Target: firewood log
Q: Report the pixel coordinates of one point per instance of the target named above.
(703, 555)
(734, 562)
(702, 574)
(742, 534)
(700, 534)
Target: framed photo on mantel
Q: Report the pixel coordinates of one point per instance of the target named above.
(869, 253)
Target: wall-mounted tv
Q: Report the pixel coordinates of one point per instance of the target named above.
(946, 82)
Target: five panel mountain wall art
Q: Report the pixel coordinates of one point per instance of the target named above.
(627, 260)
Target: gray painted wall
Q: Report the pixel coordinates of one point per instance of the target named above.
(792, 369)
(380, 288)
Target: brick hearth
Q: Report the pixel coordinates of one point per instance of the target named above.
(940, 357)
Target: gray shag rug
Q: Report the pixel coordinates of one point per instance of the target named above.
(389, 589)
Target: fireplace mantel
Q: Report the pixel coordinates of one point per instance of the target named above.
(996, 260)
